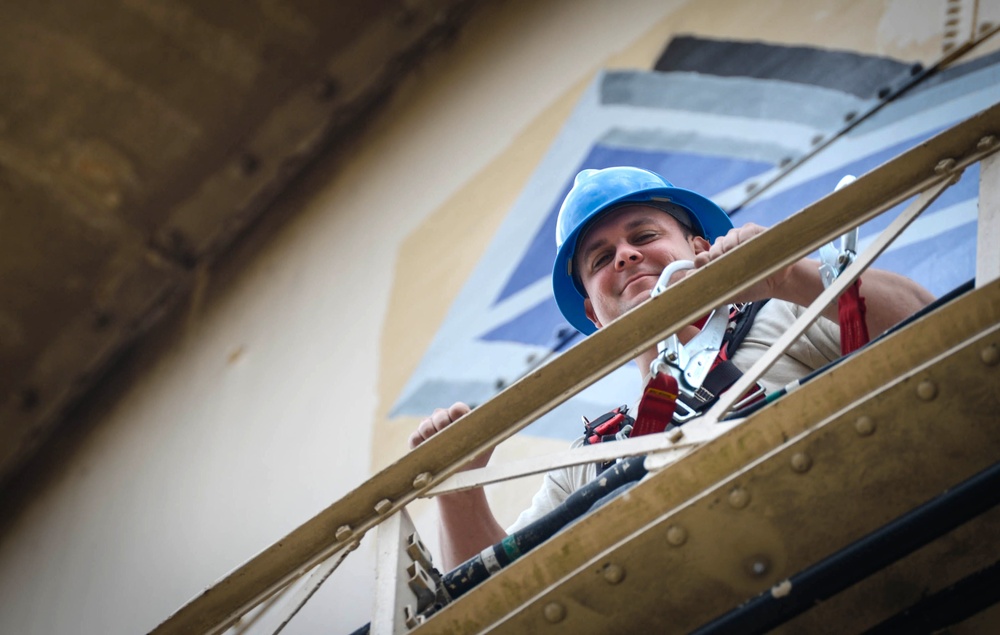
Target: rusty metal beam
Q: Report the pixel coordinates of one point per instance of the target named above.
(772, 516)
(580, 551)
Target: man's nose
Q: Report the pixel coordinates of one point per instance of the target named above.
(626, 256)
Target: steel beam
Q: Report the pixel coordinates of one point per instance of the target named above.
(775, 516)
(572, 551)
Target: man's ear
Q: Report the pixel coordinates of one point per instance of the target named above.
(699, 244)
(588, 308)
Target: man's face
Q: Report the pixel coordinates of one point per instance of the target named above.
(622, 255)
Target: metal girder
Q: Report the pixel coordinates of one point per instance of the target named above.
(403, 580)
(988, 232)
(811, 496)
(925, 165)
(572, 553)
(139, 141)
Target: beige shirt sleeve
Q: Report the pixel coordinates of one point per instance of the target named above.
(817, 347)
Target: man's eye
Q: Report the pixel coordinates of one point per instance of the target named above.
(599, 261)
(645, 237)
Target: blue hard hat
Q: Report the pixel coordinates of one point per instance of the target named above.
(597, 191)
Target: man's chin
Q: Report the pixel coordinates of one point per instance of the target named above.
(639, 290)
(633, 297)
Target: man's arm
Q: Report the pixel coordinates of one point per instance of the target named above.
(467, 525)
(889, 297)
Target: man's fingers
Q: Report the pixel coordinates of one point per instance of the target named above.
(415, 439)
(458, 410)
(438, 421)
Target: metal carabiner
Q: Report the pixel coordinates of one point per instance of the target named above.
(835, 260)
(670, 353)
(689, 364)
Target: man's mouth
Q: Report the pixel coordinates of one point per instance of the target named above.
(636, 278)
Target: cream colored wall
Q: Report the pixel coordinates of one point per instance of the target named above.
(270, 402)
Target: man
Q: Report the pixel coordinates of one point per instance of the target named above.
(618, 228)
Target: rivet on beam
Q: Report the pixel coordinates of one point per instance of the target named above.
(990, 355)
(986, 142)
(927, 390)
(757, 566)
(613, 573)
(944, 165)
(739, 498)
(677, 535)
(554, 612)
(864, 426)
(675, 435)
(343, 533)
(801, 462)
(422, 480)
(383, 506)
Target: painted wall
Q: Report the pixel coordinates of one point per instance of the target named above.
(270, 398)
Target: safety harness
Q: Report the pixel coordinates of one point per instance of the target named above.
(686, 380)
(664, 406)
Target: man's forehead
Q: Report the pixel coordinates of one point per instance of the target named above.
(622, 219)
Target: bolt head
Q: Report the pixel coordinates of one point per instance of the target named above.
(422, 480)
(677, 535)
(927, 390)
(343, 532)
(864, 426)
(739, 498)
(801, 462)
(383, 506)
(990, 355)
(944, 165)
(757, 565)
(613, 573)
(554, 612)
(675, 435)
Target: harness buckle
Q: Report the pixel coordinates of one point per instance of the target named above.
(688, 413)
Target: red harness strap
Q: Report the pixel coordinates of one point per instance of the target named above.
(851, 312)
(657, 406)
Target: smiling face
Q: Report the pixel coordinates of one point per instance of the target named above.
(622, 254)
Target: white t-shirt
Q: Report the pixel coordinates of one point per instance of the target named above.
(817, 347)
